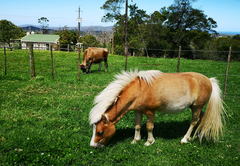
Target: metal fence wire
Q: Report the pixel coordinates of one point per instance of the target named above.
(222, 56)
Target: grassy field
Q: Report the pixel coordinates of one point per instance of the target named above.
(45, 121)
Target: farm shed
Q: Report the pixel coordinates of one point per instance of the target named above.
(40, 41)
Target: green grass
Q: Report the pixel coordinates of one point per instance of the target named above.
(45, 121)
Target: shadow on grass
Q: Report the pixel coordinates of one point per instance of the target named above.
(93, 71)
(164, 130)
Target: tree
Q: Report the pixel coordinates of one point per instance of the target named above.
(67, 37)
(219, 48)
(189, 19)
(199, 41)
(183, 18)
(90, 41)
(178, 25)
(9, 31)
(157, 33)
(237, 37)
(44, 23)
(136, 30)
(183, 21)
(112, 9)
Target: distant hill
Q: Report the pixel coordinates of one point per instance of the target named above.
(28, 27)
(221, 33)
(33, 28)
(87, 28)
(97, 28)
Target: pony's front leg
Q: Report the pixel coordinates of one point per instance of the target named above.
(138, 123)
(89, 68)
(150, 121)
(100, 65)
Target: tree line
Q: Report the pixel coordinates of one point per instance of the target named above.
(177, 25)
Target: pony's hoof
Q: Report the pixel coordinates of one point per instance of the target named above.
(185, 140)
(149, 143)
(134, 141)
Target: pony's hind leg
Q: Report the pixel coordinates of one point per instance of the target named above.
(197, 115)
(89, 68)
(138, 123)
(100, 65)
(106, 65)
(150, 121)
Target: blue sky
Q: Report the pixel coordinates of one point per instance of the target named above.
(62, 12)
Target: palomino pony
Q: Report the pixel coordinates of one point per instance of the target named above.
(146, 92)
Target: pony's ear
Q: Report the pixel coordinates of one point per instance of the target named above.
(104, 119)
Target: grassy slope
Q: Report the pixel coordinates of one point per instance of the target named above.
(45, 121)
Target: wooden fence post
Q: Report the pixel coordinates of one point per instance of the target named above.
(179, 56)
(79, 60)
(52, 62)
(225, 85)
(125, 38)
(32, 66)
(5, 58)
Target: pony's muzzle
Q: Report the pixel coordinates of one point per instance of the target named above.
(96, 145)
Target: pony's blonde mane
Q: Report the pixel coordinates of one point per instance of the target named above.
(110, 94)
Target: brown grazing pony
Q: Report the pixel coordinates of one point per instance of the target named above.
(146, 92)
(94, 55)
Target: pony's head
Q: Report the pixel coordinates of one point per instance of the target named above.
(103, 130)
(84, 68)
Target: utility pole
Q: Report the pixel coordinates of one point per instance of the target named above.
(126, 24)
(79, 45)
(79, 21)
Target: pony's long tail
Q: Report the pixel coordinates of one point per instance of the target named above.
(211, 124)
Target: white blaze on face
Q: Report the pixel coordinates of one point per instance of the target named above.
(96, 144)
(92, 143)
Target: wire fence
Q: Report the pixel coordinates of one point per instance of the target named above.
(69, 69)
(147, 52)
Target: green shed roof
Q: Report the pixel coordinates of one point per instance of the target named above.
(40, 38)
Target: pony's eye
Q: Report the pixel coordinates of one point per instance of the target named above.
(100, 133)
